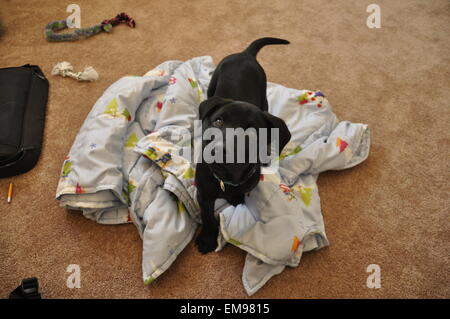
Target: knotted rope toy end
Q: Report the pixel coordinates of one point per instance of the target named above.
(88, 74)
(62, 68)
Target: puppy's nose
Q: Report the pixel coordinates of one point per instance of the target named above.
(216, 148)
(221, 149)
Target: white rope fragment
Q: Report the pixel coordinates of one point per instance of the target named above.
(66, 69)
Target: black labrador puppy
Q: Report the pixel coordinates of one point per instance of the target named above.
(236, 99)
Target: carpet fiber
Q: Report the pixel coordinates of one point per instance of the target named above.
(392, 210)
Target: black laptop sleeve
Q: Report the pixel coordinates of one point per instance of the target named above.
(23, 100)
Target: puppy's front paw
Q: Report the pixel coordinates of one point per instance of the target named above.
(205, 243)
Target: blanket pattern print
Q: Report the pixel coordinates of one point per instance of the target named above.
(125, 167)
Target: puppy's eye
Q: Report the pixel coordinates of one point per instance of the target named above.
(218, 122)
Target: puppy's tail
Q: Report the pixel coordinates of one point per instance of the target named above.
(256, 45)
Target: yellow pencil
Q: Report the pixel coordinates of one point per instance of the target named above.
(10, 193)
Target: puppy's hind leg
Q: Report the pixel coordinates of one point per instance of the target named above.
(213, 84)
(264, 103)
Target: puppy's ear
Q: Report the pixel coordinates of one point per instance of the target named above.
(210, 105)
(283, 132)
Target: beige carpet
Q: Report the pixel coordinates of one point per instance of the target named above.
(392, 210)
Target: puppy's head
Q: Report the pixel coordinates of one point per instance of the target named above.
(241, 148)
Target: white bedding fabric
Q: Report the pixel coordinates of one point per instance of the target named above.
(118, 171)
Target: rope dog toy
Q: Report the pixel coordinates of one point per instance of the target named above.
(105, 25)
(66, 69)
